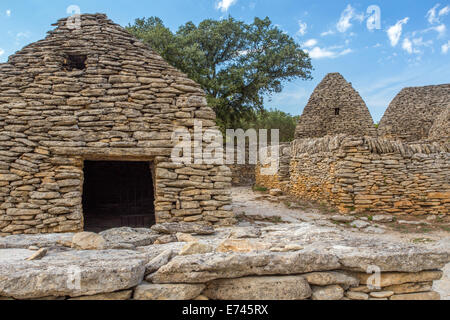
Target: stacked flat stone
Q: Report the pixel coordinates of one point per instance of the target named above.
(440, 131)
(413, 112)
(123, 105)
(371, 175)
(321, 117)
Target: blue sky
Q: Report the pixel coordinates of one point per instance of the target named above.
(411, 47)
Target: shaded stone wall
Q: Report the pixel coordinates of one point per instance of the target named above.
(242, 174)
(335, 107)
(281, 179)
(413, 112)
(123, 105)
(363, 174)
(440, 131)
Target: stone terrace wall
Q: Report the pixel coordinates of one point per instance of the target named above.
(364, 174)
(413, 111)
(123, 105)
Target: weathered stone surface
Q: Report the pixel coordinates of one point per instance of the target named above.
(195, 248)
(38, 254)
(245, 232)
(203, 268)
(417, 296)
(330, 278)
(40, 241)
(344, 219)
(184, 237)
(190, 228)
(259, 288)
(359, 224)
(74, 273)
(275, 192)
(135, 237)
(147, 291)
(242, 245)
(381, 294)
(159, 261)
(357, 295)
(114, 296)
(333, 292)
(396, 278)
(410, 287)
(88, 241)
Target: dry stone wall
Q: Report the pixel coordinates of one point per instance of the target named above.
(363, 174)
(440, 131)
(97, 93)
(413, 112)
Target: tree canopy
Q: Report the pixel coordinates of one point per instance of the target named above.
(272, 119)
(237, 64)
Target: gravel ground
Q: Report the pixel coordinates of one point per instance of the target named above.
(253, 210)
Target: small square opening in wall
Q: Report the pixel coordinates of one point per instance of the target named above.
(337, 111)
(75, 62)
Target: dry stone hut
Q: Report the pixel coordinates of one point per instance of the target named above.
(440, 132)
(86, 118)
(335, 107)
(413, 111)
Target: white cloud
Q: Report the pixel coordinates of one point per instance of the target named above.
(444, 11)
(8, 13)
(344, 22)
(224, 5)
(441, 29)
(434, 16)
(431, 15)
(446, 47)
(407, 46)
(327, 33)
(2, 52)
(420, 43)
(310, 43)
(395, 32)
(347, 16)
(321, 53)
(302, 28)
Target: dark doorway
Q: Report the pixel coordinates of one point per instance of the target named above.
(118, 194)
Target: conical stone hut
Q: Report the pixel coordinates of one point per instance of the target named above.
(335, 107)
(413, 112)
(86, 120)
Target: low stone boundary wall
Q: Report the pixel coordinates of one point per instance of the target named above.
(363, 174)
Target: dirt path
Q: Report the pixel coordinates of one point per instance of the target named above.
(256, 208)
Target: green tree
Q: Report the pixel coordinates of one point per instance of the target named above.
(237, 64)
(272, 119)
